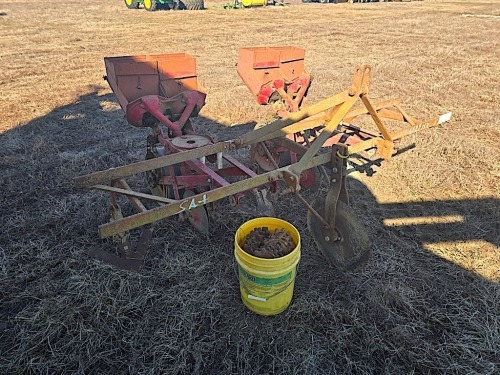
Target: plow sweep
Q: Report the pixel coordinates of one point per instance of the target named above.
(188, 172)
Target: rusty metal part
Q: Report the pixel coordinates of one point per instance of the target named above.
(120, 238)
(303, 134)
(337, 191)
(262, 156)
(262, 243)
(345, 246)
(130, 194)
(213, 195)
(309, 179)
(313, 211)
(133, 260)
(263, 206)
(197, 215)
(292, 180)
(133, 195)
(337, 187)
(154, 176)
(147, 165)
(271, 155)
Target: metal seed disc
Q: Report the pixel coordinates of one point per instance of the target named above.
(190, 141)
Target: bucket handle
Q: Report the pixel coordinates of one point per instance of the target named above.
(278, 292)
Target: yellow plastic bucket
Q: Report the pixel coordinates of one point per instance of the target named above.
(266, 285)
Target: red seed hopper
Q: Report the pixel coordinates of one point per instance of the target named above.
(157, 87)
(275, 75)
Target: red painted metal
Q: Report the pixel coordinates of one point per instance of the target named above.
(164, 86)
(196, 175)
(275, 74)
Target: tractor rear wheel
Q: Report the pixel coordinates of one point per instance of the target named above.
(132, 4)
(150, 5)
(192, 4)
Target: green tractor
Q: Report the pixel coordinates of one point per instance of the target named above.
(152, 5)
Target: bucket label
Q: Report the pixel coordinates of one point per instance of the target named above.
(265, 281)
(263, 288)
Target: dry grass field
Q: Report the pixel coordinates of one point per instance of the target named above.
(428, 301)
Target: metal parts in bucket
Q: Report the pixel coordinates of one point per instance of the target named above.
(266, 285)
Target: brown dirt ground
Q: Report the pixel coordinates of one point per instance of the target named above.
(429, 300)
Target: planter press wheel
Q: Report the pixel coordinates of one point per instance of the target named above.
(150, 5)
(346, 247)
(132, 4)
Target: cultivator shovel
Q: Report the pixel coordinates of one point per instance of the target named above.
(187, 171)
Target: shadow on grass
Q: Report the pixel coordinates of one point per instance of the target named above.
(410, 311)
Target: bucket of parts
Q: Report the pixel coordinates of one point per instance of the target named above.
(266, 285)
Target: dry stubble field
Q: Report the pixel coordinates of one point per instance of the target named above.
(428, 301)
